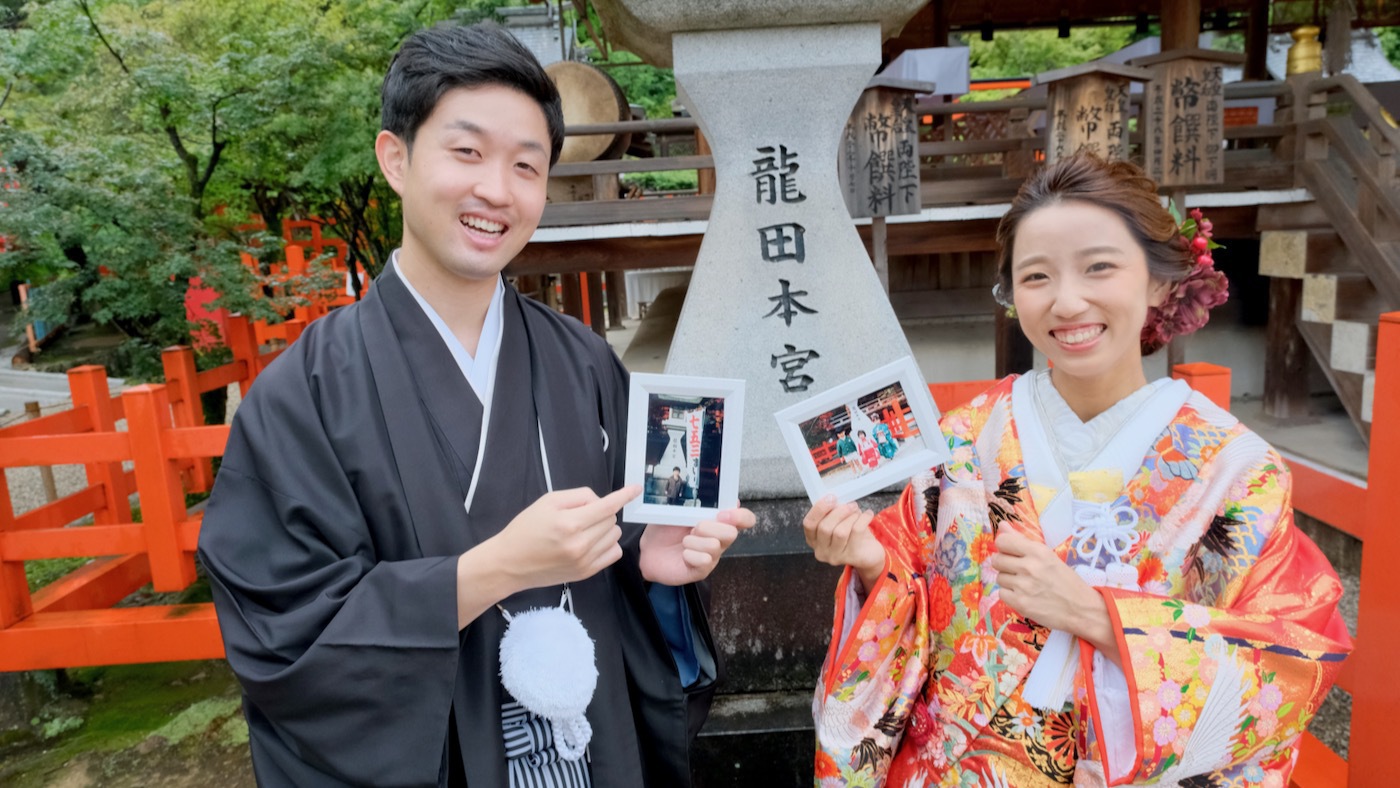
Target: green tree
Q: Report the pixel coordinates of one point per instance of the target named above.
(1390, 43)
(1024, 53)
(124, 113)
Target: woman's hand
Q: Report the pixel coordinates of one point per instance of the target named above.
(1039, 586)
(840, 535)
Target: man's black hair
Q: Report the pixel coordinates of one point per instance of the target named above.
(438, 59)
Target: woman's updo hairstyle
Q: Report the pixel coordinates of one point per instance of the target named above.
(1118, 186)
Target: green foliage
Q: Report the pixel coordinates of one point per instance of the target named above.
(198, 719)
(651, 87)
(1390, 43)
(675, 180)
(59, 726)
(1023, 53)
(41, 573)
(143, 133)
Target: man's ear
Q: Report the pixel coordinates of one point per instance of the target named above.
(392, 153)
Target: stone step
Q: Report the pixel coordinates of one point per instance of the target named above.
(1328, 298)
(757, 740)
(1353, 346)
(1368, 395)
(1292, 254)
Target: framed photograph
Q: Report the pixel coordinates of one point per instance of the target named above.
(866, 434)
(684, 435)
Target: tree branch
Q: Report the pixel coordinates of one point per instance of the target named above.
(8, 88)
(218, 144)
(92, 21)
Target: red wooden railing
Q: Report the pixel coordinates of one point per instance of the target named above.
(71, 622)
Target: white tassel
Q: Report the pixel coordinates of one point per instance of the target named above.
(548, 666)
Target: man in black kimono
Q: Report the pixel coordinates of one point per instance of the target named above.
(442, 454)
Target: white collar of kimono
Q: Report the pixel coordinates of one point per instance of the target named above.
(1124, 448)
(1048, 683)
(480, 371)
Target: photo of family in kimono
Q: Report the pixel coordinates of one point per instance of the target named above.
(855, 438)
(685, 436)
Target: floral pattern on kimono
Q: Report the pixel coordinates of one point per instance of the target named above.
(1228, 650)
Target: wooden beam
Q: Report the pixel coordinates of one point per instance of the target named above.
(1349, 386)
(123, 636)
(960, 302)
(596, 311)
(617, 166)
(1181, 24)
(1328, 298)
(1256, 41)
(670, 209)
(617, 297)
(705, 176)
(573, 295)
(940, 23)
(94, 586)
(603, 254)
(1285, 353)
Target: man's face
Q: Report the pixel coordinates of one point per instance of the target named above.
(473, 185)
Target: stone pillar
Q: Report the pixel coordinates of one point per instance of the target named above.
(783, 294)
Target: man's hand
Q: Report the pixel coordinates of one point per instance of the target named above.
(565, 536)
(840, 535)
(1039, 586)
(674, 556)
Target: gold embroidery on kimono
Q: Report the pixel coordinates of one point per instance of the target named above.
(1225, 617)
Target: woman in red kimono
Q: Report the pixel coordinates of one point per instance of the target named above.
(1104, 586)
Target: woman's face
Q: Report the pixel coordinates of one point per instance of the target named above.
(1082, 290)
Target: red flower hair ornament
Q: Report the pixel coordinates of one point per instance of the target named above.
(1187, 307)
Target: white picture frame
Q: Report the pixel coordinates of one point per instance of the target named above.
(894, 395)
(657, 405)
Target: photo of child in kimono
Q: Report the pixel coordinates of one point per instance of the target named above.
(683, 449)
(854, 439)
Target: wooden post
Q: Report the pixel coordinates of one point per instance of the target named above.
(1285, 353)
(879, 235)
(31, 410)
(941, 26)
(572, 287)
(294, 329)
(158, 482)
(1020, 162)
(1015, 353)
(1256, 41)
(617, 297)
(593, 303)
(244, 345)
(182, 388)
(705, 177)
(15, 604)
(88, 386)
(1181, 24)
(1371, 758)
